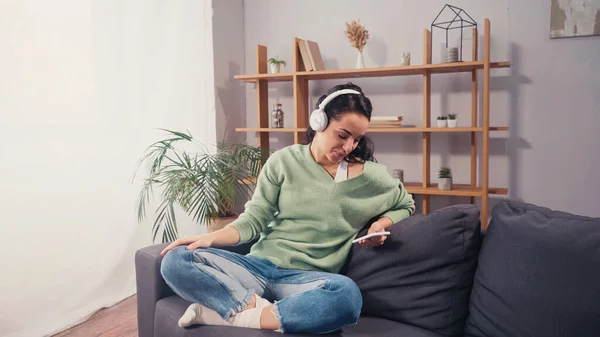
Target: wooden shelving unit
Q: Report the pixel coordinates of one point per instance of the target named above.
(374, 72)
(300, 78)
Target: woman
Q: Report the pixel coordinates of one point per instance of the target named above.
(310, 202)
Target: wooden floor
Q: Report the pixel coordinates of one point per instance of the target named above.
(117, 321)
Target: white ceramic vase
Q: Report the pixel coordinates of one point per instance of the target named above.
(452, 123)
(360, 62)
(441, 123)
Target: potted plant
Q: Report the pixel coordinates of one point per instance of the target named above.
(445, 178)
(441, 121)
(204, 184)
(452, 121)
(275, 65)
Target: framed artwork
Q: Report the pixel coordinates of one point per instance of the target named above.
(570, 18)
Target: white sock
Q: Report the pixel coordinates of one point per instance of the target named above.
(261, 302)
(196, 313)
(250, 318)
(247, 319)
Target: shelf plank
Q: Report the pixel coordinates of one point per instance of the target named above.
(464, 190)
(267, 129)
(383, 129)
(281, 77)
(424, 130)
(441, 68)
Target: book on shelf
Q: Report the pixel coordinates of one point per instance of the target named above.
(386, 118)
(386, 125)
(386, 121)
(311, 55)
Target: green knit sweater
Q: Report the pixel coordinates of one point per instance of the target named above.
(306, 220)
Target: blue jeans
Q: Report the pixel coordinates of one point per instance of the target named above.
(304, 301)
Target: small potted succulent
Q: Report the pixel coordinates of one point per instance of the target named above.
(452, 121)
(275, 65)
(441, 121)
(445, 179)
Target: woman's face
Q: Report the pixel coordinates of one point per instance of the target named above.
(341, 136)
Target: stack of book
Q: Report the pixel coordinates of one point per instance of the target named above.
(386, 121)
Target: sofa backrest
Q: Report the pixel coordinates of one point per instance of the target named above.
(538, 274)
(422, 275)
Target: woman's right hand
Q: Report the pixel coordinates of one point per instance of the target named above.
(193, 242)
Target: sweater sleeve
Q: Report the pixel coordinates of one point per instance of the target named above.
(261, 208)
(402, 207)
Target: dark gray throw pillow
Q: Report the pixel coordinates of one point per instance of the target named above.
(423, 273)
(538, 275)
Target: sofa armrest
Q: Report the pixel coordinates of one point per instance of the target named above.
(151, 286)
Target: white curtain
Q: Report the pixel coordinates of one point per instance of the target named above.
(84, 86)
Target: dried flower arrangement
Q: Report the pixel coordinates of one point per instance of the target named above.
(357, 34)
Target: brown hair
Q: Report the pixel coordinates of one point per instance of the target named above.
(345, 104)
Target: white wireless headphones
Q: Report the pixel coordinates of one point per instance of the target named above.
(318, 119)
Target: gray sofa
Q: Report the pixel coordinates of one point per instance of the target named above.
(535, 272)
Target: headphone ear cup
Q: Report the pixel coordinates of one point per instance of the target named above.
(318, 120)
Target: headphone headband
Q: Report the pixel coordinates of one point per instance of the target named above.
(336, 94)
(318, 119)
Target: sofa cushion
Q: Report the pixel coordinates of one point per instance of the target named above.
(538, 275)
(423, 273)
(170, 309)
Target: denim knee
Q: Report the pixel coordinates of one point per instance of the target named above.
(174, 263)
(348, 298)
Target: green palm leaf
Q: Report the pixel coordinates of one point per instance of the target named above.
(206, 185)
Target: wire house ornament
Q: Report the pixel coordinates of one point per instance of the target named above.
(458, 21)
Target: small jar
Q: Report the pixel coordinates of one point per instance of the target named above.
(274, 117)
(405, 59)
(278, 116)
(398, 174)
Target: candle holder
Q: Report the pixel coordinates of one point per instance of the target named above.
(460, 20)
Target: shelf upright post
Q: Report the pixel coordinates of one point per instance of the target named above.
(300, 96)
(486, 126)
(262, 99)
(474, 113)
(426, 203)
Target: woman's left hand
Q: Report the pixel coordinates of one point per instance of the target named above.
(375, 241)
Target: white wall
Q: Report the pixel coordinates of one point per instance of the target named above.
(229, 60)
(549, 97)
(228, 51)
(84, 87)
(555, 109)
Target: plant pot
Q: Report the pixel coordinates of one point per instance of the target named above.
(441, 123)
(220, 223)
(452, 123)
(445, 183)
(275, 68)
